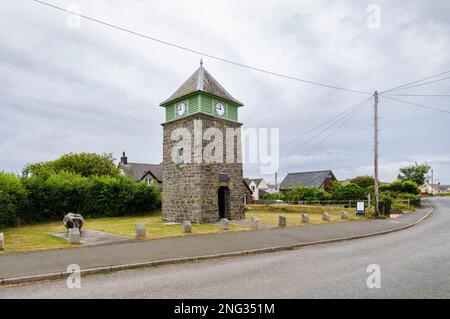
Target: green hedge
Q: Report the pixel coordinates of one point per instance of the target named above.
(347, 192)
(398, 187)
(305, 193)
(273, 196)
(38, 198)
(13, 199)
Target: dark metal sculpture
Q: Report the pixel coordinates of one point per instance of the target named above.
(72, 220)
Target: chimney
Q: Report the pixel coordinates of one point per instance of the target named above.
(124, 159)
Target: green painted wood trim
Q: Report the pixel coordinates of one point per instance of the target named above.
(202, 103)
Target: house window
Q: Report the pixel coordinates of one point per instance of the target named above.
(253, 188)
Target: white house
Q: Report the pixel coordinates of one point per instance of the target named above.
(428, 188)
(258, 186)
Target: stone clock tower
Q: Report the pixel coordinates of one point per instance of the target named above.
(202, 172)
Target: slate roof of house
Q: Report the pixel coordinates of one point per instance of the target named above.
(139, 170)
(246, 183)
(442, 188)
(313, 179)
(257, 181)
(202, 81)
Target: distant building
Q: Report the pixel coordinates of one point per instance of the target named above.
(428, 188)
(248, 193)
(151, 173)
(272, 189)
(258, 186)
(317, 179)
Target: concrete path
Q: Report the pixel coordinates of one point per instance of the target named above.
(56, 261)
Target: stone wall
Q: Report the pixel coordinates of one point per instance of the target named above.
(190, 191)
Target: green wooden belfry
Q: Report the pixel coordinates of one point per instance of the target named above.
(201, 93)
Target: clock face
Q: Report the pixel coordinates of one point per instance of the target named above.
(220, 109)
(181, 109)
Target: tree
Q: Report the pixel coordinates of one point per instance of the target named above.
(398, 187)
(84, 164)
(363, 181)
(417, 173)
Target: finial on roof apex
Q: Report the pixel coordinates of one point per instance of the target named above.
(201, 61)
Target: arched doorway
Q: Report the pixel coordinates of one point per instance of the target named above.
(224, 201)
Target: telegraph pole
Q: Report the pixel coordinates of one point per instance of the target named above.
(375, 160)
(432, 183)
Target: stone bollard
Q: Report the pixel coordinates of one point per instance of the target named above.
(74, 236)
(255, 222)
(224, 224)
(2, 242)
(140, 230)
(187, 228)
(282, 221)
(326, 217)
(305, 218)
(344, 215)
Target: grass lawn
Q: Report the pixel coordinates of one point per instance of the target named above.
(268, 214)
(37, 237)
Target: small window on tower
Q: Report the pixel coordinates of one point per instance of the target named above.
(180, 156)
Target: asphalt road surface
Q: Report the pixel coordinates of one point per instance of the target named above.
(414, 263)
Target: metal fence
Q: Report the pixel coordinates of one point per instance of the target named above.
(334, 203)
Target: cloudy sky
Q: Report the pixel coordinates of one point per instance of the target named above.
(91, 88)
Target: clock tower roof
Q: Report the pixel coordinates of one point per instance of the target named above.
(201, 81)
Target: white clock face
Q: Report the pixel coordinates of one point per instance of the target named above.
(220, 109)
(181, 109)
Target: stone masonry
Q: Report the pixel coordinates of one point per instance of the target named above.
(190, 191)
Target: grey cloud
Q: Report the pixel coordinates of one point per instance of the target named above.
(97, 89)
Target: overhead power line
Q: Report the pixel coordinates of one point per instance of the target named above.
(420, 95)
(418, 105)
(421, 84)
(356, 108)
(199, 52)
(414, 82)
(337, 116)
(336, 129)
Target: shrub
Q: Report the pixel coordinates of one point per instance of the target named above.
(274, 196)
(414, 200)
(305, 193)
(53, 197)
(385, 204)
(363, 181)
(120, 196)
(347, 192)
(13, 197)
(397, 187)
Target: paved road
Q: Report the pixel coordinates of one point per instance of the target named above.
(415, 263)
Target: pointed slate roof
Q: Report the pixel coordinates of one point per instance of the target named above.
(202, 81)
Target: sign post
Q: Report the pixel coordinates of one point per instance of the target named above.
(360, 208)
